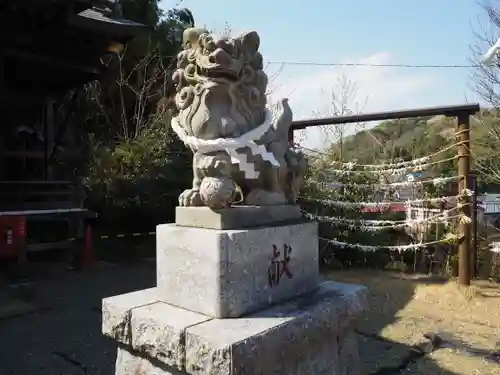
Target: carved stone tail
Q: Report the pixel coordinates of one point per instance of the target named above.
(283, 117)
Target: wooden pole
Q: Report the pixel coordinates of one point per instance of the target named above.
(464, 226)
(474, 227)
(49, 137)
(290, 136)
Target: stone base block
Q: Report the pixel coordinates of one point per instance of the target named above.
(236, 217)
(310, 335)
(141, 322)
(229, 273)
(131, 363)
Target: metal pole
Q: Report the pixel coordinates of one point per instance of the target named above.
(464, 226)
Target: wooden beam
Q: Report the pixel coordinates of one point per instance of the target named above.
(24, 154)
(53, 61)
(41, 182)
(455, 110)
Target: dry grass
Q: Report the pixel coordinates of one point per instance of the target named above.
(403, 308)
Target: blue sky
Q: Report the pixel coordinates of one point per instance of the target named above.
(360, 31)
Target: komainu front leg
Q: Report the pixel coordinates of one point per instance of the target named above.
(212, 165)
(191, 197)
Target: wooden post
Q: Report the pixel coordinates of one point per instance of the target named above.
(3, 174)
(49, 137)
(2, 77)
(290, 136)
(464, 226)
(474, 227)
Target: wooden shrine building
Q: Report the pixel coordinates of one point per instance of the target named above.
(47, 48)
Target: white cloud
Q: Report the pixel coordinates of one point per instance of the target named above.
(378, 89)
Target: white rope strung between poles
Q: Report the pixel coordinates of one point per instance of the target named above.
(373, 223)
(389, 171)
(408, 224)
(438, 181)
(400, 164)
(451, 238)
(387, 222)
(424, 209)
(369, 226)
(346, 204)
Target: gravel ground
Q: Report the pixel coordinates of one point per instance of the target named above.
(63, 335)
(404, 308)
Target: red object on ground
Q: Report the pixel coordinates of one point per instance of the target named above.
(88, 251)
(12, 235)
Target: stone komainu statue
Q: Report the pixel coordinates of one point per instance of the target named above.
(223, 118)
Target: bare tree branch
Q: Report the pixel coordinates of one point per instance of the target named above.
(342, 103)
(486, 79)
(486, 83)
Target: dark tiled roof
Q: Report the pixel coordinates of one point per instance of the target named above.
(98, 16)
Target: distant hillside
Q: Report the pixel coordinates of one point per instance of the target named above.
(412, 138)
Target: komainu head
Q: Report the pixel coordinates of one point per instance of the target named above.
(221, 85)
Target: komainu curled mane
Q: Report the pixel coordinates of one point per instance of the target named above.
(223, 118)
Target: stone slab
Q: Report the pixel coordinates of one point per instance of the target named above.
(130, 363)
(285, 339)
(310, 335)
(322, 360)
(144, 324)
(229, 273)
(236, 217)
(116, 313)
(349, 355)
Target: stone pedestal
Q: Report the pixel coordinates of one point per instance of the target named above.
(228, 273)
(237, 301)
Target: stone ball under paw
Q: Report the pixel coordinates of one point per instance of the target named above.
(217, 192)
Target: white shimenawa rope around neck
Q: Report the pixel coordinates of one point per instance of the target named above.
(231, 145)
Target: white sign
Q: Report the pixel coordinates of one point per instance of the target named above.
(495, 247)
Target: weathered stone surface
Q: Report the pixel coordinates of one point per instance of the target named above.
(226, 273)
(349, 361)
(128, 363)
(237, 217)
(308, 336)
(233, 135)
(158, 331)
(116, 313)
(155, 329)
(298, 337)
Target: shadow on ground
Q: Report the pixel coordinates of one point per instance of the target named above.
(63, 334)
(389, 294)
